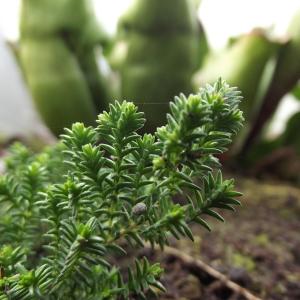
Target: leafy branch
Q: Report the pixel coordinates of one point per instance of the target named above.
(67, 211)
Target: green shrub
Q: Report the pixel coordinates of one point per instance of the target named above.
(60, 225)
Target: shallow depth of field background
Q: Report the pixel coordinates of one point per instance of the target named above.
(221, 19)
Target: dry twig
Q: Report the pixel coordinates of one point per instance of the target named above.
(208, 275)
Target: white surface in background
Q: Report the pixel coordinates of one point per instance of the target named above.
(287, 107)
(109, 11)
(221, 18)
(15, 102)
(225, 18)
(9, 16)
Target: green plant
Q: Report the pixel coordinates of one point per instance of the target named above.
(58, 237)
(58, 43)
(283, 80)
(159, 45)
(243, 63)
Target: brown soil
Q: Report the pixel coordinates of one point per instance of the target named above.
(258, 247)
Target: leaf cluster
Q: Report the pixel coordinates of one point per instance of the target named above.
(61, 224)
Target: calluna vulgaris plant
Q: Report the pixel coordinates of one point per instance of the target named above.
(62, 225)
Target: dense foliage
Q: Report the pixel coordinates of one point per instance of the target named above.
(62, 225)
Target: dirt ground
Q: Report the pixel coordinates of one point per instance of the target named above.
(258, 247)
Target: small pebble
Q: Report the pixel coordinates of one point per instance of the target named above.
(139, 209)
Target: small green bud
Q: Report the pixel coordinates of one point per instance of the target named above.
(194, 101)
(158, 162)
